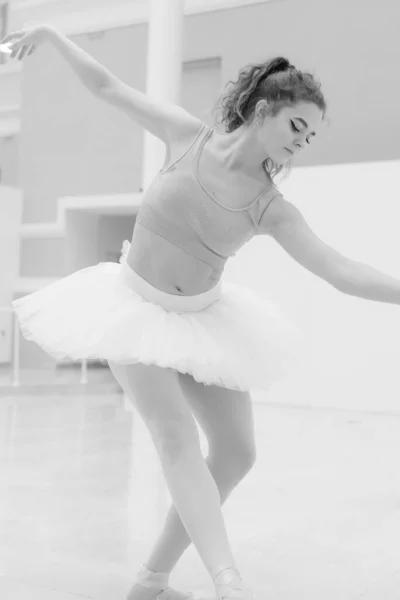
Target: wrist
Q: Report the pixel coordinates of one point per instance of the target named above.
(49, 33)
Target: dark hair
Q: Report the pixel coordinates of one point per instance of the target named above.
(277, 81)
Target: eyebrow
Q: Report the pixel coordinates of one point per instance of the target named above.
(304, 123)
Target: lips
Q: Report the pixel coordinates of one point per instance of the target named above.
(289, 150)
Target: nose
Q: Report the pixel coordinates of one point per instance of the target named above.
(300, 142)
(298, 146)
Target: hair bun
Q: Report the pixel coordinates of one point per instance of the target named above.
(278, 65)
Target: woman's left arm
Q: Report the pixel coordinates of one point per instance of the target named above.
(286, 224)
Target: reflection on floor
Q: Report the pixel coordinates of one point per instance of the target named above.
(82, 500)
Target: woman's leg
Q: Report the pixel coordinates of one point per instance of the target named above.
(226, 417)
(156, 394)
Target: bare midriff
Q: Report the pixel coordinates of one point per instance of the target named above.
(167, 267)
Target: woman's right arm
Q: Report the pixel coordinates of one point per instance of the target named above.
(91, 73)
(165, 120)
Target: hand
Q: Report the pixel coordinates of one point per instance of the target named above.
(24, 42)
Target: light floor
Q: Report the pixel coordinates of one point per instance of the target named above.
(82, 499)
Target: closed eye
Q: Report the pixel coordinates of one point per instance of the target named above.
(294, 128)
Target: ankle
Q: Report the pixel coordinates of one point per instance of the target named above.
(152, 579)
(223, 574)
(229, 585)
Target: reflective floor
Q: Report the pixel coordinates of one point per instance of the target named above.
(82, 500)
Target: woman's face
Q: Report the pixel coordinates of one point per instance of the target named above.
(290, 131)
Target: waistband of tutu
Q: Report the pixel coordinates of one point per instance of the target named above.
(171, 302)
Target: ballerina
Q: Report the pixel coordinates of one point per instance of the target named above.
(183, 343)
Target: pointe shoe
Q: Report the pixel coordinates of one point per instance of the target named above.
(229, 585)
(155, 580)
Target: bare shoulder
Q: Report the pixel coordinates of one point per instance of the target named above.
(184, 128)
(180, 138)
(279, 214)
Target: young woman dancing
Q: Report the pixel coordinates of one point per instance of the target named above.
(183, 343)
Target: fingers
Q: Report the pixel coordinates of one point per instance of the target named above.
(13, 44)
(12, 36)
(11, 48)
(23, 51)
(19, 51)
(14, 51)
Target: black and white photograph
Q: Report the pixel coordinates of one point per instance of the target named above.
(199, 300)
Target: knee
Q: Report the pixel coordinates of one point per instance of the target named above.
(236, 461)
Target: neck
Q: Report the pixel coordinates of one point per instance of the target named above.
(238, 151)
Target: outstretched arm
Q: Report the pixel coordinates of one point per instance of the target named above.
(165, 120)
(91, 73)
(288, 227)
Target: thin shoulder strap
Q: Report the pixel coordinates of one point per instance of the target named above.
(199, 135)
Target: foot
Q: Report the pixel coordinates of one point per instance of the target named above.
(229, 585)
(151, 585)
(139, 592)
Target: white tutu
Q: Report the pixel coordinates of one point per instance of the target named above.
(229, 336)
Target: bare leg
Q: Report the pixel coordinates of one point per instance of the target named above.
(196, 498)
(157, 396)
(174, 539)
(226, 417)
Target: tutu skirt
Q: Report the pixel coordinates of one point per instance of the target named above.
(229, 336)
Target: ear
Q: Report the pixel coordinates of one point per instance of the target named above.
(261, 110)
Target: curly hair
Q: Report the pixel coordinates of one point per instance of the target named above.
(277, 81)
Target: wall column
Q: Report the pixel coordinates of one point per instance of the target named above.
(164, 72)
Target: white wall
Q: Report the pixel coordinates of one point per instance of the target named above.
(113, 230)
(354, 342)
(10, 218)
(83, 240)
